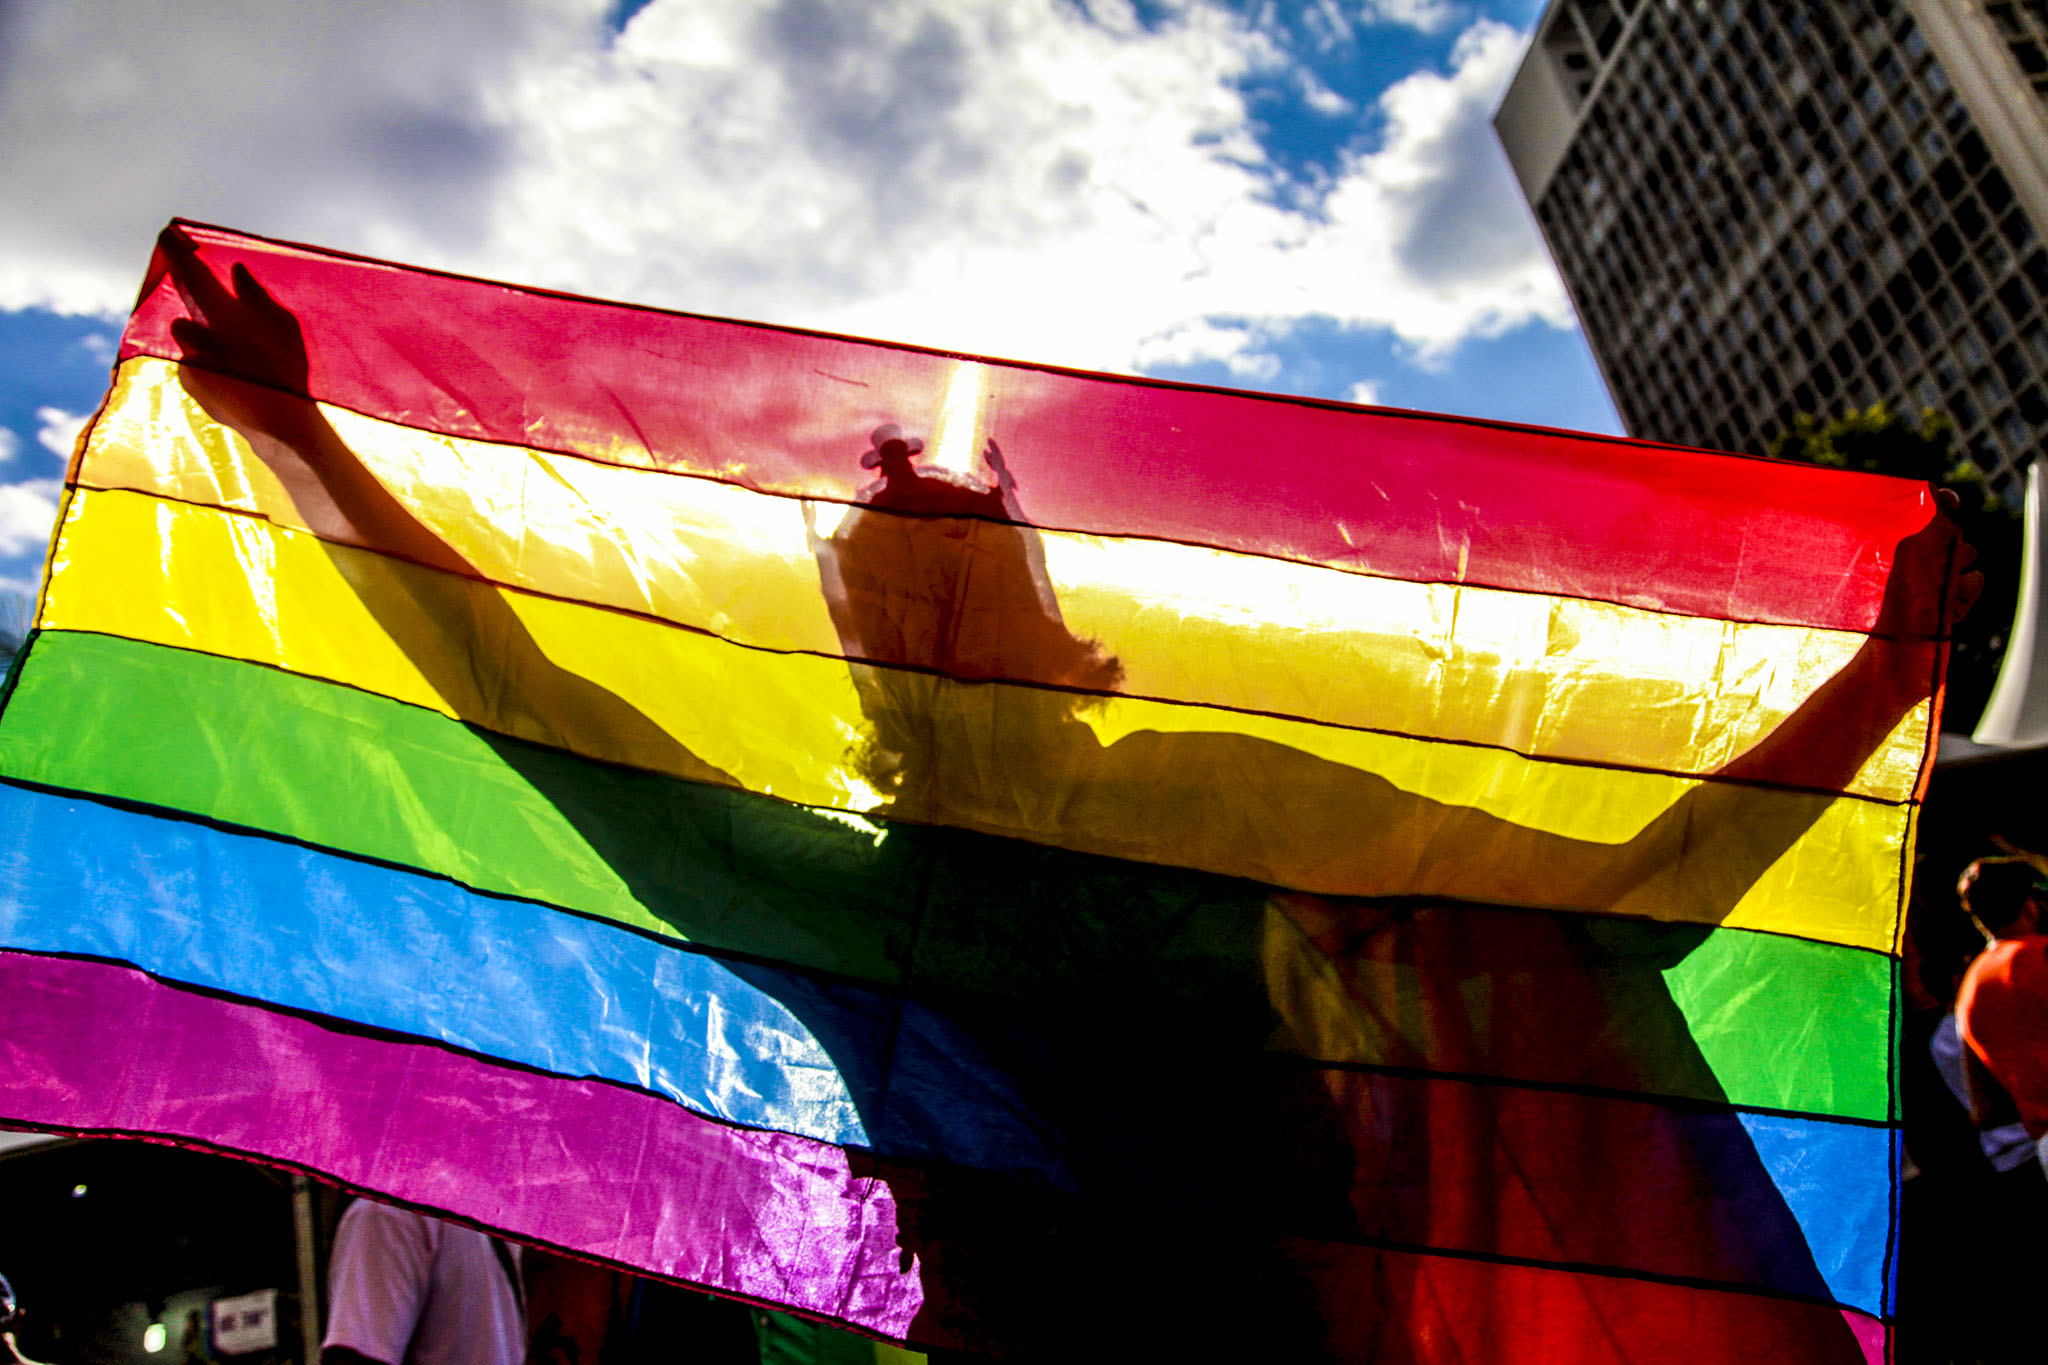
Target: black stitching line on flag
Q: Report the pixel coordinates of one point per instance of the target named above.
(901, 992)
(1039, 367)
(701, 632)
(1651, 1099)
(1603, 1272)
(1057, 528)
(830, 811)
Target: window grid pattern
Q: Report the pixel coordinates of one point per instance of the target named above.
(2024, 26)
(1770, 209)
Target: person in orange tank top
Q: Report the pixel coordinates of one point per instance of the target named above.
(2002, 1009)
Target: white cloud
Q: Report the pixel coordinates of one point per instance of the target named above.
(59, 430)
(1191, 343)
(1365, 392)
(27, 511)
(1441, 241)
(1326, 22)
(9, 443)
(1016, 177)
(1429, 16)
(1320, 97)
(346, 123)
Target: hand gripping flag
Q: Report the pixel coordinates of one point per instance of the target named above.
(1006, 859)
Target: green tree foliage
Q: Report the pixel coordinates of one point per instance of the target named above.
(1879, 441)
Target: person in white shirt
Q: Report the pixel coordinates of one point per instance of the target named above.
(407, 1289)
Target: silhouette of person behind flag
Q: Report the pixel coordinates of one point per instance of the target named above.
(935, 580)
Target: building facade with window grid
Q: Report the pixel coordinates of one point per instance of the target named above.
(2024, 27)
(1763, 209)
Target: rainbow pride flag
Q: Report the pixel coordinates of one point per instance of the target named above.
(1005, 859)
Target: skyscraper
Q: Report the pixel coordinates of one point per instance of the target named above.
(1765, 208)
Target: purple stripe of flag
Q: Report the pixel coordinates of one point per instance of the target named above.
(591, 1168)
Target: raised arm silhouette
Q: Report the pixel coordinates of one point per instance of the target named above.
(933, 581)
(457, 629)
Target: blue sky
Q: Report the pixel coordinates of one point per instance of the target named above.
(1302, 197)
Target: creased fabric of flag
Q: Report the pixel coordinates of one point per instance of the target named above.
(1005, 859)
